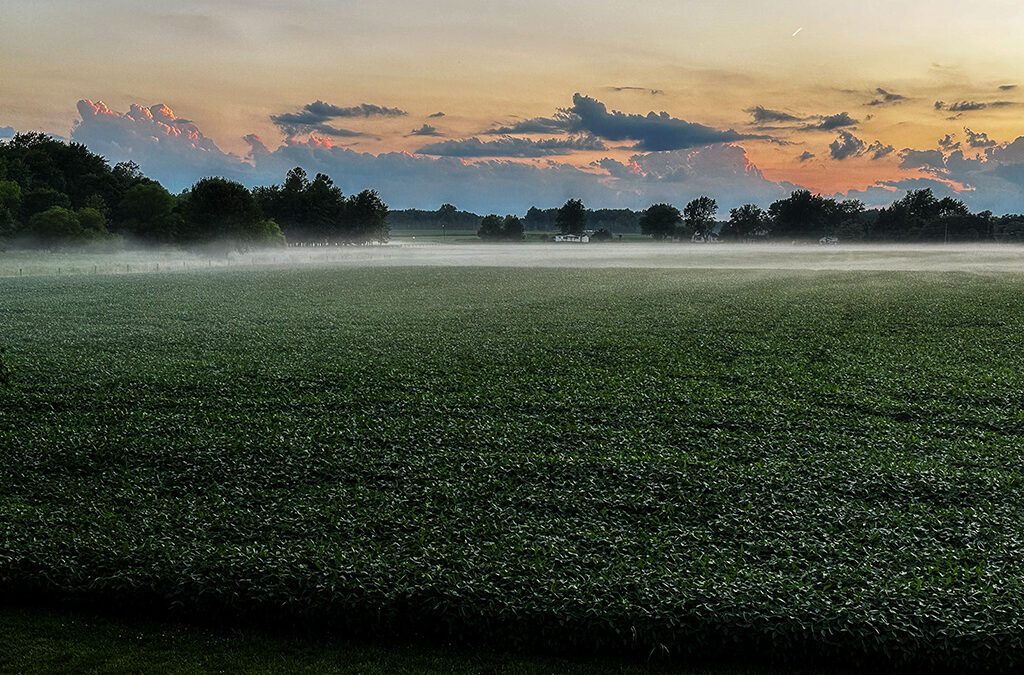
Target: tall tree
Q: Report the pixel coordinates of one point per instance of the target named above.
(660, 221)
(572, 218)
(699, 217)
(745, 222)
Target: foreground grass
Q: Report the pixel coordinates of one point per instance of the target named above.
(619, 460)
(40, 641)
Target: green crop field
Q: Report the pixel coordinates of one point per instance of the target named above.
(630, 461)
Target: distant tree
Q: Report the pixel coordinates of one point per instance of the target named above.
(496, 228)
(490, 228)
(224, 213)
(660, 221)
(745, 222)
(368, 218)
(39, 199)
(512, 228)
(57, 226)
(572, 218)
(920, 215)
(147, 211)
(92, 222)
(537, 219)
(447, 214)
(802, 215)
(604, 234)
(699, 217)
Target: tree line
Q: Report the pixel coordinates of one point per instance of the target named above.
(55, 194)
(919, 216)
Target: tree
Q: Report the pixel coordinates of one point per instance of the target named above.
(660, 221)
(512, 228)
(223, 213)
(10, 207)
(93, 223)
(745, 222)
(572, 218)
(55, 227)
(490, 228)
(147, 211)
(699, 217)
(604, 234)
(802, 215)
(368, 218)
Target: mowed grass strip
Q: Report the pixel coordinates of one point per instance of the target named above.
(629, 460)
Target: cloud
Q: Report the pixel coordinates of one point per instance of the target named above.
(949, 143)
(921, 159)
(762, 116)
(536, 125)
(979, 140)
(641, 90)
(315, 118)
(885, 97)
(426, 130)
(805, 156)
(512, 147)
(654, 132)
(971, 106)
(846, 146)
(1007, 87)
(832, 122)
(879, 150)
(177, 153)
(7, 132)
(436, 115)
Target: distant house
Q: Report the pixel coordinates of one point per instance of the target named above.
(572, 239)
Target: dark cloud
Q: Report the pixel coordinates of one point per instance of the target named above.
(885, 97)
(654, 132)
(426, 130)
(537, 125)
(879, 150)
(949, 143)
(979, 140)
(512, 147)
(436, 115)
(763, 116)
(643, 90)
(846, 146)
(805, 156)
(971, 106)
(315, 118)
(832, 122)
(1007, 87)
(921, 159)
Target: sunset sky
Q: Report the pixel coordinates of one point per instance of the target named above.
(541, 100)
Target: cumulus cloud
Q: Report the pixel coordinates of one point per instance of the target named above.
(879, 150)
(949, 143)
(846, 146)
(979, 140)
(509, 146)
(762, 116)
(536, 125)
(176, 153)
(316, 118)
(832, 122)
(805, 156)
(653, 132)
(436, 115)
(885, 97)
(426, 130)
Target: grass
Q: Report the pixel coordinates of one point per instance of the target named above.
(572, 460)
(50, 641)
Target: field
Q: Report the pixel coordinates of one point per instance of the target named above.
(623, 460)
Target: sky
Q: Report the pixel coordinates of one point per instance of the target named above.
(498, 105)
